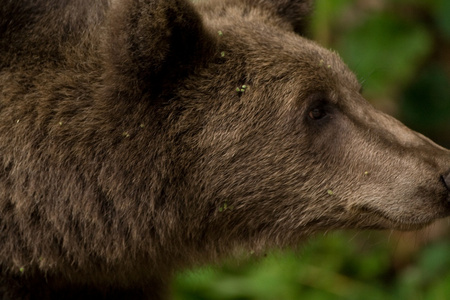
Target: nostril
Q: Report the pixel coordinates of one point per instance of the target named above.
(446, 180)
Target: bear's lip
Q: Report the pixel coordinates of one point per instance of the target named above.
(382, 220)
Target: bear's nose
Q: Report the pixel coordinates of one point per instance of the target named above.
(446, 180)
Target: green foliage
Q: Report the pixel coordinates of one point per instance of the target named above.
(336, 266)
(388, 61)
(425, 103)
(441, 11)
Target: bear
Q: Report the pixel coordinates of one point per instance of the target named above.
(140, 137)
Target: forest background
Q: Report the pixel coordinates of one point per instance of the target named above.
(400, 51)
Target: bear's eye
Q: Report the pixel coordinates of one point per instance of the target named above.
(317, 113)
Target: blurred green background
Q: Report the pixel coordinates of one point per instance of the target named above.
(400, 51)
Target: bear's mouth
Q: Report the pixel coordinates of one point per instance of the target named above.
(374, 218)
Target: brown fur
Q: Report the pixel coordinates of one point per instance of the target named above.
(126, 151)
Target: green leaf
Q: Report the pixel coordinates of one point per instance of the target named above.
(426, 103)
(384, 52)
(442, 13)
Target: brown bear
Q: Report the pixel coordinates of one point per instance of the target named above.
(138, 137)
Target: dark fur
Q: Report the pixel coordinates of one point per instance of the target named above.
(127, 152)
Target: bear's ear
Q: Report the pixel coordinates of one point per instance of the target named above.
(294, 12)
(150, 44)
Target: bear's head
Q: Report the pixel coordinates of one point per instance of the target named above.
(271, 136)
